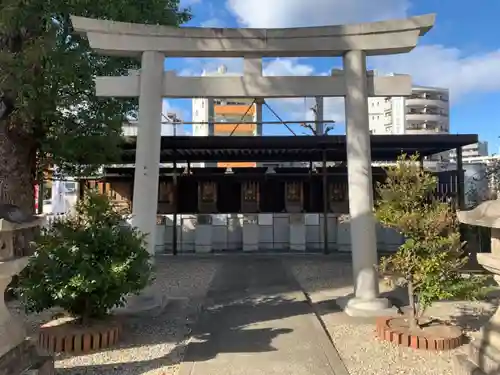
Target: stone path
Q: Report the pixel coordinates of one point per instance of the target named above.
(257, 321)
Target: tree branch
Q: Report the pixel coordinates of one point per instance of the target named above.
(313, 130)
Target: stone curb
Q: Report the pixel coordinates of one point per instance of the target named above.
(328, 345)
(67, 339)
(386, 333)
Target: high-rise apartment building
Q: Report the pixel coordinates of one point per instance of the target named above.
(426, 111)
(228, 116)
(474, 150)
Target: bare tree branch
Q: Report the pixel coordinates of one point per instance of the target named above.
(312, 128)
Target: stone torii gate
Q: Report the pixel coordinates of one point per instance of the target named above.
(152, 44)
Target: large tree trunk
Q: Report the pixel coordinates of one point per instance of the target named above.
(17, 177)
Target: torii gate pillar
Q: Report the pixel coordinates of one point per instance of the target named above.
(147, 156)
(366, 299)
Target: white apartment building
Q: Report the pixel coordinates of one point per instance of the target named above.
(475, 150)
(426, 111)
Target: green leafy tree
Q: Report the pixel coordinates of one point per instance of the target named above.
(49, 111)
(86, 263)
(429, 261)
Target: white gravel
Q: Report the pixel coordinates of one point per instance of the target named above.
(155, 344)
(151, 343)
(361, 351)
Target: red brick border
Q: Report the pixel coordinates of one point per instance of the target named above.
(387, 333)
(76, 339)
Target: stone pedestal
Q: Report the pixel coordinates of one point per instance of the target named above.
(17, 355)
(25, 359)
(250, 233)
(148, 300)
(481, 358)
(203, 234)
(297, 232)
(483, 355)
(11, 330)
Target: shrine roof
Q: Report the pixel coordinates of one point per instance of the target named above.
(294, 148)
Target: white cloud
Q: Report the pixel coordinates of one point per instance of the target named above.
(297, 13)
(290, 109)
(168, 108)
(433, 65)
(430, 65)
(213, 16)
(195, 66)
(213, 22)
(299, 109)
(188, 3)
(287, 67)
(436, 65)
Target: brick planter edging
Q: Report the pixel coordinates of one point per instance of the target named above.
(387, 333)
(76, 339)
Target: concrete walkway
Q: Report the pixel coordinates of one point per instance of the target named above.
(257, 321)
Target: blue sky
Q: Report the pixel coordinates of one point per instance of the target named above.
(461, 52)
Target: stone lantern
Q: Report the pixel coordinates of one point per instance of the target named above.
(17, 354)
(484, 352)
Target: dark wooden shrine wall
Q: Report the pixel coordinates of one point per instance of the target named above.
(271, 193)
(120, 192)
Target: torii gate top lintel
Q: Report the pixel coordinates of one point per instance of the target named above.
(375, 38)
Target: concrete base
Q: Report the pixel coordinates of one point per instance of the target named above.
(26, 359)
(11, 332)
(366, 308)
(273, 233)
(250, 236)
(203, 238)
(462, 365)
(297, 232)
(481, 359)
(147, 301)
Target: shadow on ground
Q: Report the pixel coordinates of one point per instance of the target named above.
(244, 292)
(474, 317)
(227, 328)
(130, 368)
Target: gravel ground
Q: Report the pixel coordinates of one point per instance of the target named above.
(153, 342)
(362, 353)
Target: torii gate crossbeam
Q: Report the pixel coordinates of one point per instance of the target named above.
(253, 86)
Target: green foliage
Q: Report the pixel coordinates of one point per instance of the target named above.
(86, 263)
(47, 72)
(429, 260)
